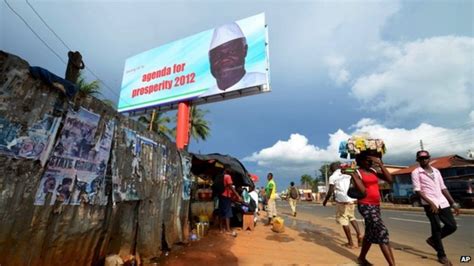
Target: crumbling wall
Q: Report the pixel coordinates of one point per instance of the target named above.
(62, 234)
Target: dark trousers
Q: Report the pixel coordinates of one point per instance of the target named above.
(437, 232)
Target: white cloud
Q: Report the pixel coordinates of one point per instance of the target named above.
(297, 156)
(337, 70)
(297, 153)
(429, 78)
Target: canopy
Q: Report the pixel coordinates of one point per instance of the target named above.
(254, 178)
(211, 165)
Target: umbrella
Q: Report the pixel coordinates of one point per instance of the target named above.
(254, 178)
(211, 165)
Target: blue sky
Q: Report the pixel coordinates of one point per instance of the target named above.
(399, 70)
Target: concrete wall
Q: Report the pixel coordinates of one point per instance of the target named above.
(83, 235)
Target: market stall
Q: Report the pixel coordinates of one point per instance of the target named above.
(208, 171)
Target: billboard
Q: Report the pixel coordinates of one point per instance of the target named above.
(217, 64)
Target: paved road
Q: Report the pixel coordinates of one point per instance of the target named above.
(408, 229)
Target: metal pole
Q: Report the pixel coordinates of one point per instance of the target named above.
(326, 177)
(182, 127)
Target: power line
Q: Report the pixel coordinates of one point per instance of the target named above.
(31, 29)
(63, 42)
(46, 24)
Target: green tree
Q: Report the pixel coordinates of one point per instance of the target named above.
(88, 88)
(306, 181)
(159, 124)
(198, 125)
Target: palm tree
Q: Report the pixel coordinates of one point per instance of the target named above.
(306, 180)
(198, 125)
(85, 88)
(159, 124)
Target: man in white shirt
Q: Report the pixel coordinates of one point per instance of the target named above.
(339, 184)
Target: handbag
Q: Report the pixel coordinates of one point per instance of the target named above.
(354, 192)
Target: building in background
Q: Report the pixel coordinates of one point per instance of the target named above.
(458, 174)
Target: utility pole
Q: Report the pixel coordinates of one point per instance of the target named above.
(326, 177)
(421, 145)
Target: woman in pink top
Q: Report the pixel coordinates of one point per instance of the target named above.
(366, 180)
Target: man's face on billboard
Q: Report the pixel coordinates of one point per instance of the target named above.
(228, 62)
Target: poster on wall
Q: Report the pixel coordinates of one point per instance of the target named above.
(79, 162)
(36, 145)
(228, 58)
(187, 182)
(126, 188)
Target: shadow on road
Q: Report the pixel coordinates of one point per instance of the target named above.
(320, 235)
(413, 251)
(284, 238)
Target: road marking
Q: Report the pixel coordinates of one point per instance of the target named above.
(420, 215)
(409, 220)
(411, 214)
(334, 217)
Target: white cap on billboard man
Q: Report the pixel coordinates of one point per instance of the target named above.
(227, 54)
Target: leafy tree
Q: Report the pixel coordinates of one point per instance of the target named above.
(306, 181)
(199, 126)
(88, 88)
(92, 89)
(159, 123)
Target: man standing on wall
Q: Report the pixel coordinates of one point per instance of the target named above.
(270, 193)
(294, 195)
(428, 184)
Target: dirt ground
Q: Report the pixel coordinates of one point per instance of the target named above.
(304, 242)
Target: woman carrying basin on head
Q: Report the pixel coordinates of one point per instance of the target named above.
(366, 179)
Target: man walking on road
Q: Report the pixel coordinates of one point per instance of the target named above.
(428, 184)
(294, 195)
(270, 193)
(345, 206)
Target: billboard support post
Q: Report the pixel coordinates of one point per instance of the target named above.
(182, 125)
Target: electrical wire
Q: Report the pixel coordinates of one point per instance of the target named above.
(65, 45)
(46, 24)
(31, 29)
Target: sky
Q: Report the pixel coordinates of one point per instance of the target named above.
(402, 71)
